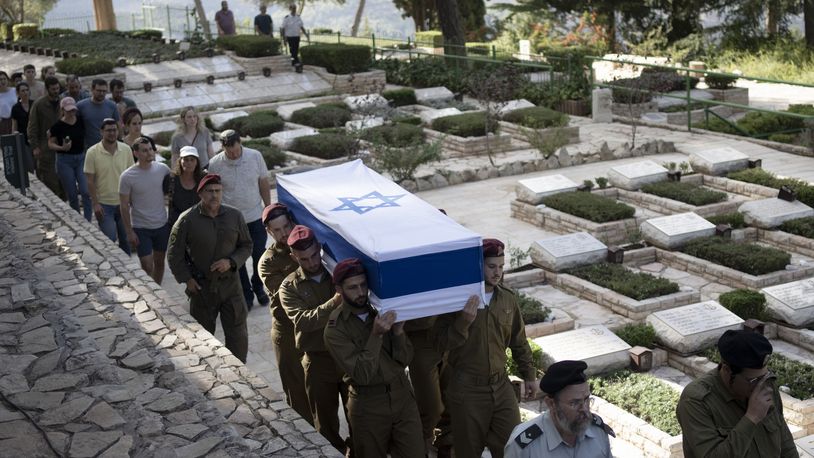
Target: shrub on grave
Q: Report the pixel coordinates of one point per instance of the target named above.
(84, 66)
(532, 310)
(802, 226)
(257, 124)
(566, 58)
(465, 125)
(429, 38)
(407, 119)
(396, 135)
(688, 193)
(322, 116)
(642, 395)
(536, 359)
(337, 58)
(720, 81)
(325, 146)
(592, 207)
(620, 279)
(745, 303)
(638, 335)
(798, 376)
(55, 32)
(272, 155)
(402, 162)
(400, 97)
(805, 192)
(24, 31)
(744, 257)
(537, 117)
(250, 45)
(734, 219)
(146, 34)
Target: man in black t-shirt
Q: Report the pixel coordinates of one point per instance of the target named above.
(262, 22)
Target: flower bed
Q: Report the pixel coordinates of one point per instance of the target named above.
(682, 191)
(325, 146)
(590, 206)
(322, 116)
(669, 206)
(618, 278)
(748, 258)
(258, 124)
(642, 395)
(805, 192)
(745, 303)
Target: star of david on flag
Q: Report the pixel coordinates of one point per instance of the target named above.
(367, 202)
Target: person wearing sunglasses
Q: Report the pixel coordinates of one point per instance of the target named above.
(735, 409)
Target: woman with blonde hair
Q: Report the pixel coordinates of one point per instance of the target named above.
(192, 132)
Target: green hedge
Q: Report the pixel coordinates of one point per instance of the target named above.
(325, 146)
(272, 155)
(805, 192)
(430, 38)
(720, 81)
(618, 278)
(536, 359)
(464, 125)
(474, 48)
(148, 34)
(745, 257)
(801, 226)
(642, 395)
(84, 66)
(734, 219)
(640, 89)
(163, 138)
(593, 207)
(745, 303)
(799, 377)
(396, 135)
(56, 32)
(537, 117)
(638, 335)
(337, 58)
(688, 193)
(322, 116)
(24, 31)
(532, 310)
(250, 45)
(257, 124)
(401, 97)
(565, 58)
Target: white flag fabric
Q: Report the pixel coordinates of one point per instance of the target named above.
(419, 261)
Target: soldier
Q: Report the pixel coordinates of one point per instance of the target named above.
(480, 399)
(567, 428)
(373, 351)
(276, 264)
(308, 298)
(735, 409)
(208, 243)
(425, 370)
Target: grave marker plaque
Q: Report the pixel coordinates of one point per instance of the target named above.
(792, 302)
(566, 251)
(693, 327)
(600, 348)
(533, 190)
(670, 232)
(633, 176)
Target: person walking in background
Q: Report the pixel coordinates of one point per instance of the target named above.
(290, 33)
(74, 89)
(192, 132)
(8, 98)
(44, 114)
(67, 138)
(117, 96)
(96, 109)
(180, 186)
(37, 87)
(225, 20)
(263, 25)
(19, 121)
(132, 121)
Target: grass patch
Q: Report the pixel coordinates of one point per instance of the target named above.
(322, 116)
(400, 97)
(537, 117)
(257, 124)
(688, 193)
(618, 278)
(734, 219)
(744, 257)
(250, 45)
(592, 207)
(801, 226)
(536, 357)
(532, 310)
(397, 135)
(325, 146)
(638, 335)
(797, 376)
(272, 154)
(745, 303)
(465, 125)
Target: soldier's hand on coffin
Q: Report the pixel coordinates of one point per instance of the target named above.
(383, 323)
(470, 310)
(221, 265)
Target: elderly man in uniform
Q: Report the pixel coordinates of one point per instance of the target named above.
(208, 243)
(567, 428)
(735, 409)
(373, 351)
(275, 264)
(308, 298)
(480, 399)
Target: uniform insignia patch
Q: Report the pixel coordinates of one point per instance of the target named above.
(331, 323)
(528, 436)
(597, 420)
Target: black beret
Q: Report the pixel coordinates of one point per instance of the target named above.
(561, 374)
(744, 349)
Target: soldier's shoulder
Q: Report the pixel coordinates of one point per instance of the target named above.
(526, 433)
(334, 317)
(598, 422)
(697, 389)
(506, 289)
(290, 280)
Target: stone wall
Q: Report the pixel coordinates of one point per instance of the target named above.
(455, 146)
(665, 206)
(370, 82)
(787, 242)
(613, 232)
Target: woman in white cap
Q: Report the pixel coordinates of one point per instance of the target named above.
(67, 138)
(182, 183)
(192, 132)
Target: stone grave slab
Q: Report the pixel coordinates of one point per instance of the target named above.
(691, 328)
(770, 213)
(512, 105)
(427, 116)
(365, 102)
(219, 119)
(285, 111)
(792, 302)
(433, 94)
(806, 444)
(673, 231)
(156, 127)
(600, 348)
(601, 101)
(533, 190)
(567, 251)
(633, 176)
(365, 123)
(718, 161)
(283, 139)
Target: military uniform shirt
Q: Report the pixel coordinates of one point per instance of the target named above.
(714, 424)
(308, 304)
(546, 441)
(275, 264)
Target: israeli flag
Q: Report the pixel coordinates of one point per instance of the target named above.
(419, 261)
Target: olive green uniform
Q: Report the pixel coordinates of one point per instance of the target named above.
(197, 241)
(425, 373)
(480, 398)
(382, 407)
(309, 303)
(275, 264)
(42, 115)
(714, 423)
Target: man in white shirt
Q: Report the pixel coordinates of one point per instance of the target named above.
(290, 33)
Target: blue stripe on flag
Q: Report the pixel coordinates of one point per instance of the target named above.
(397, 277)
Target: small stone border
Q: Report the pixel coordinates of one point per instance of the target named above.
(651, 440)
(739, 187)
(667, 206)
(801, 337)
(519, 132)
(787, 242)
(679, 118)
(455, 146)
(558, 321)
(353, 83)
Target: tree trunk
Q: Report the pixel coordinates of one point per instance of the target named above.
(808, 19)
(610, 17)
(22, 11)
(772, 17)
(201, 15)
(356, 20)
(449, 17)
(103, 12)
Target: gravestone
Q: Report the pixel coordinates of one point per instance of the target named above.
(365, 123)
(693, 327)
(792, 302)
(719, 161)
(219, 119)
(285, 111)
(567, 251)
(156, 127)
(600, 348)
(525, 49)
(633, 176)
(770, 213)
(284, 138)
(427, 116)
(365, 102)
(533, 190)
(806, 444)
(673, 231)
(601, 101)
(511, 105)
(433, 94)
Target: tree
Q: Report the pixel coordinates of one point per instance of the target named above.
(201, 18)
(300, 3)
(17, 11)
(358, 18)
(808, 19)
(104, 14)
(422, 13)
(472, 15)
(449, 17)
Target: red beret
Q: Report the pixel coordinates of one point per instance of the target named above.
(212, 178)
(492, 248)
(350, 267)
(301, 237)
(273, 211)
